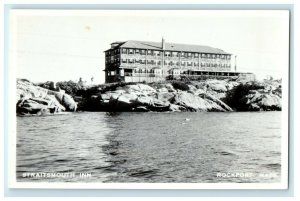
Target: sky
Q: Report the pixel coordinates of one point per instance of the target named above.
(67, 45)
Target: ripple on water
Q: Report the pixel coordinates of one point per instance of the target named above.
(150, 147)
(272, 165)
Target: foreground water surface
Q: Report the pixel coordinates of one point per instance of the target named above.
(151, 147)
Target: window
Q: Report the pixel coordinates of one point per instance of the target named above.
(174, 54)
(149, 52)
(196, 55)
(124, 61)
(159, 63)
(218, 56)
(167, 54)
(143, 52)
(137, 61)
(124, 51)
(137, 51)
(130, 61)
(130, 51)
(182, 54)
(189, 54)
(149, 62)
(203, 55)
(112, 72)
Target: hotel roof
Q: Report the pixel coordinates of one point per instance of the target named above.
(169, 47)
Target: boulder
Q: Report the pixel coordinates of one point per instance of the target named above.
(58, 95)
(216, 100)
(165, 96)
(195, 103)
(217, 85)
(163, 90)
(69, 103)
(54, 103)
(41, 101)
(262, 101)
(160, 103)
(126, 101)
(192, 88)
(26, 89)
(176, 108)
(36, 100)
(139, 88)
(145, 100)
(170, 87)
(105, 96)
(31, 107)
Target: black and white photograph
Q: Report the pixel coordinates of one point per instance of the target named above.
(166, 99)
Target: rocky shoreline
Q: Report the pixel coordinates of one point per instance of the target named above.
(35, 100)
(176, 96)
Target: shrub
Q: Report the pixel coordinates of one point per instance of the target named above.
(235, 96)
(70, 87)
(181, 86)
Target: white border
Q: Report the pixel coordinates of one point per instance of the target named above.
(12, 117)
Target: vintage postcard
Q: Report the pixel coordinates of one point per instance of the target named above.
(149, 99)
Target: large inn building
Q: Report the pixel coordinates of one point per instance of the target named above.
(137, 61)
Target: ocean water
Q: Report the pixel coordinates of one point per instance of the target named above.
(243, 147)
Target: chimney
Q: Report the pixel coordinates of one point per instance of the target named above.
(163, 45)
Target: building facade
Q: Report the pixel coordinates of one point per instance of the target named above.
(137, 61)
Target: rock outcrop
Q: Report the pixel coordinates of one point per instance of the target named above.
(255, 96)
(35, 100)
(142, 97)
(206, 95)
(261, 100)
